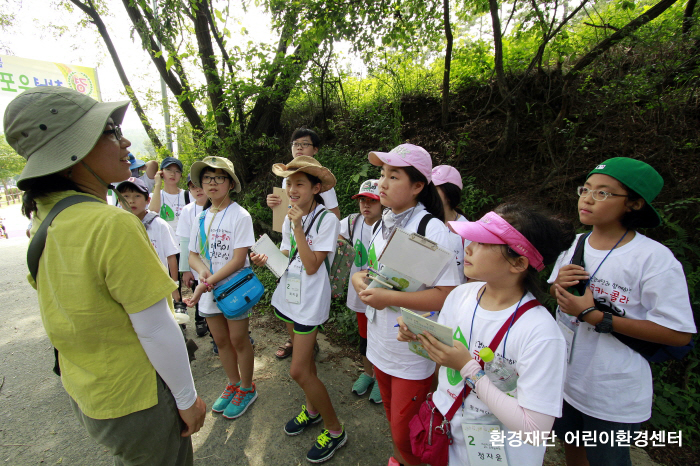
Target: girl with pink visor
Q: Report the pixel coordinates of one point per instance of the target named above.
(508, 248)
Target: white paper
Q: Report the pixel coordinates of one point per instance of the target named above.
(276, 261)
(416, 257)
(418, 325)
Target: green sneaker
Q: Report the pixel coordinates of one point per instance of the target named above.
(375, 395)
(240, 402)
(220, 405)
(325, 446)
(362, 384)
(298, 423)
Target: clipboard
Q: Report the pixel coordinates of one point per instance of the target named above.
(280, 212)
(415, 256)
(276, 261)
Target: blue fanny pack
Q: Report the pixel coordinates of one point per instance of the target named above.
(241, 292)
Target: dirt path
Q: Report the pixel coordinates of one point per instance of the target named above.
(38, 427)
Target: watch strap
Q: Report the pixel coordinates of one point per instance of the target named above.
(605, 325)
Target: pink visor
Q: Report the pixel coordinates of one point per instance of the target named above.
(492, 229)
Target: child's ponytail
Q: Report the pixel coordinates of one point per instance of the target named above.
(549, 234)
(429, 196)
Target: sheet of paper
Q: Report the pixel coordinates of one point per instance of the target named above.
(418, 325)
(280, 212)
(276, 261)
(415, 256)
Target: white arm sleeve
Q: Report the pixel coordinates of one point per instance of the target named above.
(184, 265)
(506, 408)
(162, 341)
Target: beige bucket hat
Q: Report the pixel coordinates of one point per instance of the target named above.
(309, 165)
(213, 162)
(56, 127)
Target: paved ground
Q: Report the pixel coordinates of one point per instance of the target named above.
(38, 427)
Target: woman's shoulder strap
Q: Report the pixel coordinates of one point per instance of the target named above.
(423, 224)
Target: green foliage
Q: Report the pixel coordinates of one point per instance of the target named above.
(11, 163)
(475, 201)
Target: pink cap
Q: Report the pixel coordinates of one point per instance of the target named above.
(446, 174)
(405, 155)
(493, 229)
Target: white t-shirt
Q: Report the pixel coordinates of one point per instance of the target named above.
(162, 240)
(230, 229)
(315, 303)
(171, 206)
(458, 245)
(329, 198)
(383, 349)
(150, 182)
(534, 345)
(188, 217)
(643, 280)
(362, 236)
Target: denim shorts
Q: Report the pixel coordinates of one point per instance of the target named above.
(579, 425)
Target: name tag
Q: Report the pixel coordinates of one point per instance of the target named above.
(568, 329)
(293, 291)
(481, 449)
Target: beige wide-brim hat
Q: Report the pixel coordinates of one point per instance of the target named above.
(56, 127)
(213, 162)
(309, 165)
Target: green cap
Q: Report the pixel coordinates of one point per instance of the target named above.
(486, 354)
(638, 176)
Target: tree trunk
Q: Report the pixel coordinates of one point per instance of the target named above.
(688, 16)
(603, 46)
(149, 44)
(507, 138)
(92, 13)
(448, 61)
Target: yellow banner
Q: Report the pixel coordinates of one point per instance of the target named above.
(18, 74)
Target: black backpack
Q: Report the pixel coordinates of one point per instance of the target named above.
(652, 352)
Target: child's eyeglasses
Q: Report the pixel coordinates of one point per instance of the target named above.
(301, 145)
(209, 179)
(597, 194)
(117, 131)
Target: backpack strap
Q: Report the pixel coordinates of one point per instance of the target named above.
(187, 196)
(36, 247)
(494, 345)
(148, 219)
(577, 258)
(423, 224)
(351, 225)
(318, 225)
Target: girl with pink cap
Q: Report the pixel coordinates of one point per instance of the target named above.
(404, 378)
(508, 248)
(449, 185)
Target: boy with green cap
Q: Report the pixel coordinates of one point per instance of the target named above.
(632, 294)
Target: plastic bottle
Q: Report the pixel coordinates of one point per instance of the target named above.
(497, 369)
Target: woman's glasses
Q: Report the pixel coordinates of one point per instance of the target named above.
(597, 194)
(219, 179)
(117, 131)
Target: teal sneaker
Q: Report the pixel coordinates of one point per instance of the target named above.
(325, 446)
(220, 405)
(362, 384)
(375, 395)
(298, 423)
(240, 402)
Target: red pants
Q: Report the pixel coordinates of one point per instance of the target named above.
(402, 399)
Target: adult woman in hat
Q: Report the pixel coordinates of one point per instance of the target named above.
(121, 356)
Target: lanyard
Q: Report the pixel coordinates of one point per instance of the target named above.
(606, 256)
(207, 252)
(512, 319)
(292, 240)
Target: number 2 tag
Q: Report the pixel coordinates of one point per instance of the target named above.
(481, 450)
(293, 291)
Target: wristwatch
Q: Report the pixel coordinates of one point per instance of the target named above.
(605, 325)
(471, 381)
